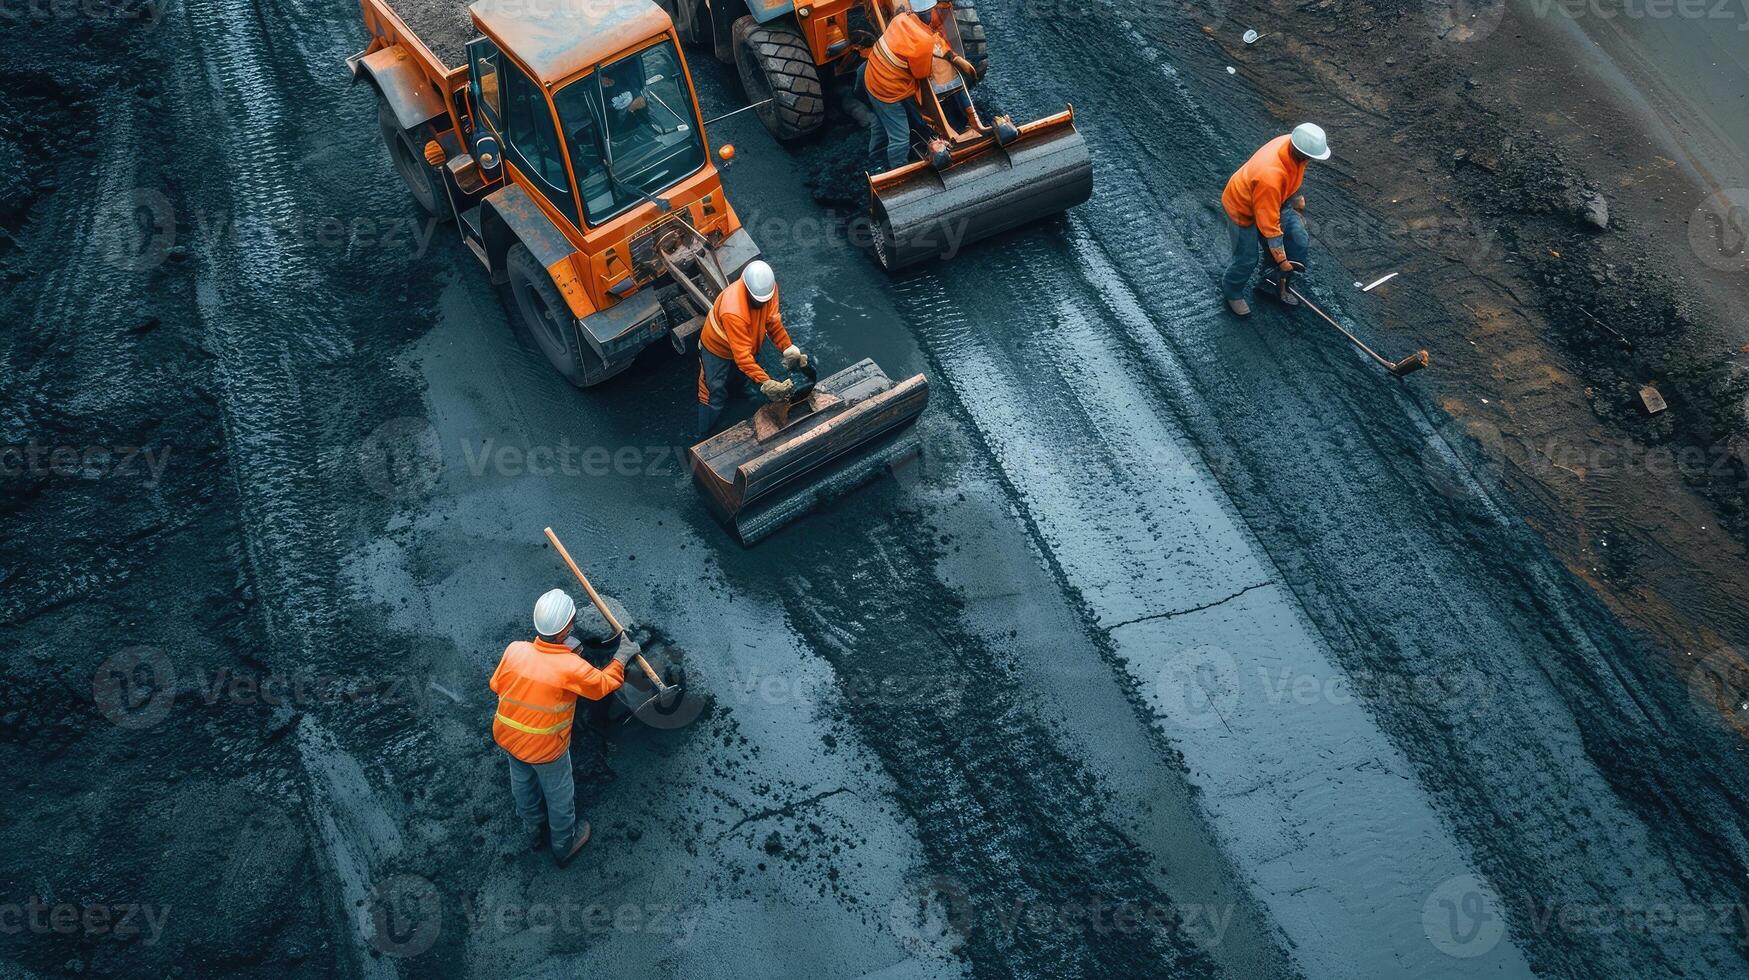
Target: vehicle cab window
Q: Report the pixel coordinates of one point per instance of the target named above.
(485, 82)
(532, 141)
(631, 129)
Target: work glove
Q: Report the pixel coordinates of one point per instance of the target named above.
(794, 358)
(775, 389)
(1287, 265)
(966, 68)
(622, 101)
(627, 650)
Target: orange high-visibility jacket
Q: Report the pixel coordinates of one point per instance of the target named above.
(900, 59)
(736, 327)
(1256, 192)
(537, 686)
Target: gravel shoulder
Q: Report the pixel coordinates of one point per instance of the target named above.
(1472, 159)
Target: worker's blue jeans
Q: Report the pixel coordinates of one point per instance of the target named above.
(531, 783)
(719, 379)
(1249, 253)
(889, 135)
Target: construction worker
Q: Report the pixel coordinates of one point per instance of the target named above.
(951, 74)
(743, 317)
(904, 56)
(537, 686)
(1263, 204)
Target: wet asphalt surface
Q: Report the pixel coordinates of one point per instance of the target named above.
(1190, 647)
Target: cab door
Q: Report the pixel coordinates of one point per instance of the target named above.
(512, 108)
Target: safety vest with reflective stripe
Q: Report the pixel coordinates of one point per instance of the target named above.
(901, 58)
(736, 326)
(538, 685)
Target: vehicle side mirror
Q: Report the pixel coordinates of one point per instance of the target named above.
(486, 151)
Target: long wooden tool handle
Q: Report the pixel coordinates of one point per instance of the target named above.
(1375, 355)
(593, 595)
(601, 606)
(650, 672)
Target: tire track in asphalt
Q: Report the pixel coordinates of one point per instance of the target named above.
(91, 302)
(257, 289)
(704, 798)
(1131, 520)
(1018, 844)
(1373, 555)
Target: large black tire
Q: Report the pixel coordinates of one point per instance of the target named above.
(774, 63)
(977, 48)
(409, 160)
(548, 320)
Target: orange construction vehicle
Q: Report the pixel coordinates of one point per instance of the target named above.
(565, 140)
(567, 146)
(968, 182)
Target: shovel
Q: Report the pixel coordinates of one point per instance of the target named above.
(663, 688)
(1408, 365)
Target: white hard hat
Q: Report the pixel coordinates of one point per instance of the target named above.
(553, 612)
(760, 283)
(1308, 138)
(922, 6)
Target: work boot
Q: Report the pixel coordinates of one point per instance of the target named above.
(537, 838)
(1239, 307)
(581, 837)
